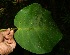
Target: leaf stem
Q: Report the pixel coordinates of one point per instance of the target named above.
(6, 29)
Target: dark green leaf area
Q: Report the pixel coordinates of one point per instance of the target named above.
(37, 32)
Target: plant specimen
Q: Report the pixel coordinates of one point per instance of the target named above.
(36, 30)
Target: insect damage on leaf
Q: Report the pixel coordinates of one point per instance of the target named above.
(37, 32)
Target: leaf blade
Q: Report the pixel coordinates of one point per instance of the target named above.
(39, 33)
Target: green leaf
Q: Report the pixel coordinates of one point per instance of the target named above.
(37, 32)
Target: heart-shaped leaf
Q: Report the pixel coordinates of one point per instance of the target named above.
(37, 32)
